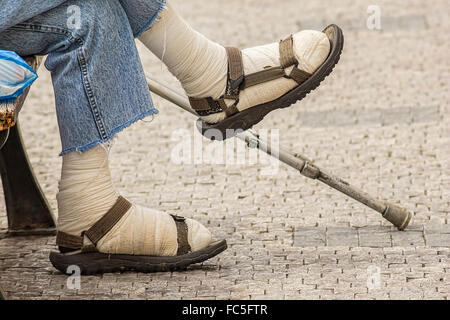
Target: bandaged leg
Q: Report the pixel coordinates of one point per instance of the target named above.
(86, 193)
(201, 65)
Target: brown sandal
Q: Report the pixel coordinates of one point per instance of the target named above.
(90, 261)
(242, 120)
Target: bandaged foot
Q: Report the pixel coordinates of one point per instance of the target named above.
(202, 66)
(86, 193)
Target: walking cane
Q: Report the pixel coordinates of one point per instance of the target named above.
(398, 216)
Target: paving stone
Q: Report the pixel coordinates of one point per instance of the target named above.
(437, 240)
(409, 238)
(342, 237)
(310, 237)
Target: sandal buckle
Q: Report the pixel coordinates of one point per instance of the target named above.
(178, 218)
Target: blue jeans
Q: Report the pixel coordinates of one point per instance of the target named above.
(98, 79)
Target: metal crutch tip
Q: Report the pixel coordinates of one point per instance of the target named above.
(398, 216)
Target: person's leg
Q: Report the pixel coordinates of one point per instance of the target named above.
(201, 65)
(98, 79)
(100, 88)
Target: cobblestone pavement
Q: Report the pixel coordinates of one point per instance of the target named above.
(380, 121)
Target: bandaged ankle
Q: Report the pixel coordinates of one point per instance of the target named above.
(86, 193)
(199, 64)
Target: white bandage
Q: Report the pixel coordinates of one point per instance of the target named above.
(86, 193)
(199, 64)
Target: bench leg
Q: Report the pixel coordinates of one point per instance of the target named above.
(27, 208)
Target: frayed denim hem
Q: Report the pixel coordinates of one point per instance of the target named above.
(111, 134)
(162, 5)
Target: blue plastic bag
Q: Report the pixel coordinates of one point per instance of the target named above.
(15, 75)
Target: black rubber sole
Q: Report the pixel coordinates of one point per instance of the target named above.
(245, 119)
(95, 262)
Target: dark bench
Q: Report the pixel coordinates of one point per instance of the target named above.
(27, 208)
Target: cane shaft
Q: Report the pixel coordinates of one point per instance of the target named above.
(313, 172)
(352, 192)
(395, 214)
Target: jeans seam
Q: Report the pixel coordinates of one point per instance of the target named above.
(43, 28)
(90, 94)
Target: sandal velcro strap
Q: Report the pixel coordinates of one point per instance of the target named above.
(298, 75)
(206, 106)
(287, 56)
(235, 73)
(266, 75)
(182, 235)
(69, 241)
(235, 80)
(97, 231)
(288, 59)
(108, 221)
